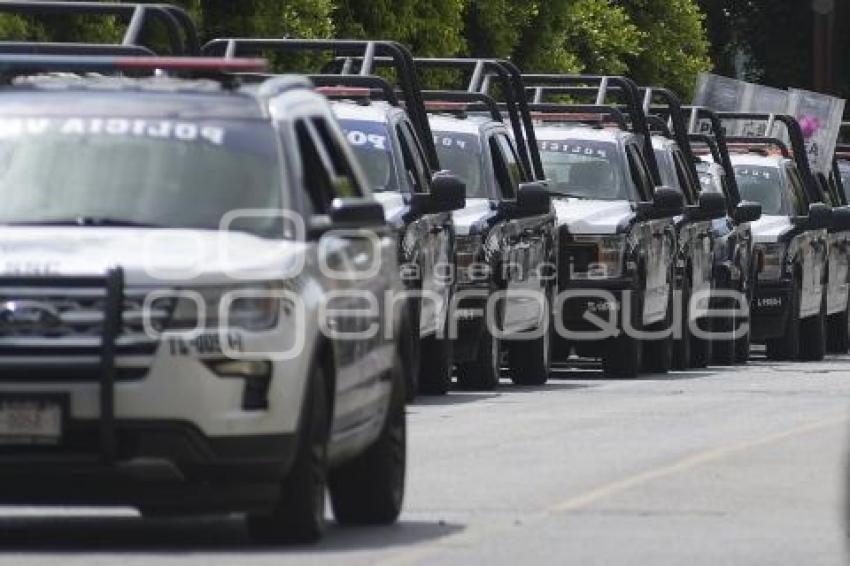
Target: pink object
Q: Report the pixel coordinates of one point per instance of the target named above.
(809, 125)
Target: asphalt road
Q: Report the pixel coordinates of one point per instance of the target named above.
(722, 466)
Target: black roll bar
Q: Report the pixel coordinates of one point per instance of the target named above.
(798, 145)
(582, 113)
(758, 141)
(182, 33)
(367, 51)
(478, 100)
(52, 48)
(717, 132)
(602, 86)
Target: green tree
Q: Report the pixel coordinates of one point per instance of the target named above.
(428, 27)
(493, 27)
(674, 44)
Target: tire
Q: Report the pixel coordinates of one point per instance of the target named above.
(787, 346)
(658, 354)
(838, 332)
(298, 515)
(369, 490)
(530, 361)
(411, 350)
(622, 357)
(682, 350)
(813, 335)
(435, 367)
(483, 373)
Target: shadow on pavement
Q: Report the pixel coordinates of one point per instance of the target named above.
(215, 535)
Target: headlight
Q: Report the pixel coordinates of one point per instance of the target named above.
(250, 308)
(469, 259)
(772, 260)
(596, 257)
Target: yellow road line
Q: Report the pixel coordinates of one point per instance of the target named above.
(466, 538)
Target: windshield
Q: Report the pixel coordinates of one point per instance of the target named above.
(708, 182)
(371, 144)
(763, 185)
(584, 169)
(461, 154)
(125, 171)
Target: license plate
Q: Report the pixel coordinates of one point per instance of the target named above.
(30, 421)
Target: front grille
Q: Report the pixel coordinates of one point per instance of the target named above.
(574, 257)
(52, 329)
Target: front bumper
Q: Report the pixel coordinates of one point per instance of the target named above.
(770, 309)
(163, 466)
(578, 299)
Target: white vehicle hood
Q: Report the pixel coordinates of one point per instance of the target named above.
(476, 209)
(149, 257)
(768, 229)
(584, 216)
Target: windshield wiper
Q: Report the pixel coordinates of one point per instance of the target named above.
(564, 195)
(88, 221)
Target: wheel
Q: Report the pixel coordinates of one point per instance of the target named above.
(813, 335)
(787, 346)
(622, 355)
(682, 346)
(298, 515)
(482, 374)
(530, 361)
(411, 344)
(658, 354)
(435, 364)
(369, 490)
(838, 332)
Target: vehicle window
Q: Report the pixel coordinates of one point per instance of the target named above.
(797, 192)
(371, 144)
(844, 169)
(684, 177)
(667, 169)
(315, 167)
(160, 173)
(413, 169)
(584, 169)
(511, 159)
(421, 161)
(640, 172)
(763, 184)
(343, 180)
(500, 167)
(461, 154)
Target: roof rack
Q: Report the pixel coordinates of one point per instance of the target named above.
(580, 113)
(182, 33)
(602, 87)
(16, 65)
(509, 77)
(367, 51)
(375, 87)
(716, 131)
(798, 145)
(838, 182)
(466, 102)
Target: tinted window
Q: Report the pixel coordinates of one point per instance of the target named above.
(584, 169)
(764, 185)
(640, 172)
(461, 154)
(371, 144)
(170, 173)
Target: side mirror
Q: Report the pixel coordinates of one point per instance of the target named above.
(819, 218)
(747, 211)
(532, 199)
(841, 219)
(448, 193)
(710, 206)
(666, 203)
(357, 213)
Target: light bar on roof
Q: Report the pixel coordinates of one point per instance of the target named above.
(445, 106)
(344, 91)
(568, 117)
(93, 63)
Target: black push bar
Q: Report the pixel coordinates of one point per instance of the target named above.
(367, 51)
(181, 30)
